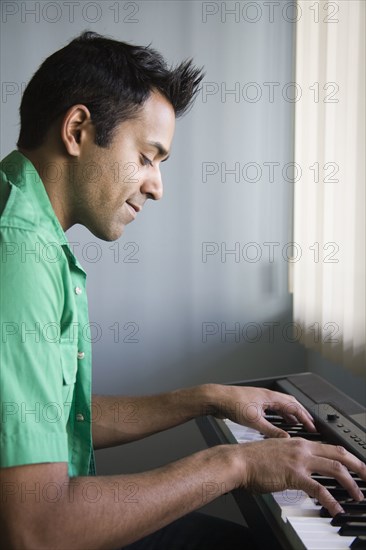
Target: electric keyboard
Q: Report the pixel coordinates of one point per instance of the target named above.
(290, 520)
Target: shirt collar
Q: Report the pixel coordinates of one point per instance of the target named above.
(21, 172)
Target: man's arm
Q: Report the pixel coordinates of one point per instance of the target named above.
(117, 419)
(44, 509)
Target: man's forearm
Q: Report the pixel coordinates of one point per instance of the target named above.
(109, 512)
(118, 419)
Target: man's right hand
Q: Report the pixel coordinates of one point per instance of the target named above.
(274, 465)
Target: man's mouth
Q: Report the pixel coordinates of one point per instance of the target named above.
(133, 208)
(136, 207)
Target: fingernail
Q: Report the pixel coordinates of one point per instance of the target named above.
(361, 495)
(339, 509)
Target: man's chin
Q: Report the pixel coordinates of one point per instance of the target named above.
(110, 234)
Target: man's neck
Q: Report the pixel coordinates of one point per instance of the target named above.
(53, 171)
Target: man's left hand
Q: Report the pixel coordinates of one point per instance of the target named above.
(248, 405)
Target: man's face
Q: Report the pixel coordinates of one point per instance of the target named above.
(112, 184)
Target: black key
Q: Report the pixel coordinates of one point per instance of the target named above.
(341, 519)
(287, 427)
(352, 529)
(324, 513)
(310, 436)
(353, 505)
(359, 543)
(338, 492)
(361, 483)
(272, 416)
(292, 428)
(347, 505)
(323, 480)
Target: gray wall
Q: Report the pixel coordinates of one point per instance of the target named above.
(161, 300)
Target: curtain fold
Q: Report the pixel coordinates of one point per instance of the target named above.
(329, 200)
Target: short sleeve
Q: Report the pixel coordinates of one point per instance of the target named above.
(33, 418)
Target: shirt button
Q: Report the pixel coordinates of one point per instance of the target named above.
(80, 417)
(81, 355)
(78, 290)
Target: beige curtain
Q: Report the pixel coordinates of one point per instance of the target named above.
(329, 213)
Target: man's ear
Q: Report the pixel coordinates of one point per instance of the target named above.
(76, 125)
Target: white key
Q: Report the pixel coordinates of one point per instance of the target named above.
(243, 434)
(319, 534)
(294, 502)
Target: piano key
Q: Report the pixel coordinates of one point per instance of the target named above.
(243, 434)
(293, 499)
(296, 428)
(360, 482)
(310, 436)
(340, 519)
(298, 509)
(348, 506)
(358, 479)
(353, 505)
(338, 492)
(318, 534)
(353, 529)
(286, 426)
(324, 480)
(359, 543)
(325, 514)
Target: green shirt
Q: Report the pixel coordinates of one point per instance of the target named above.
(45, 357)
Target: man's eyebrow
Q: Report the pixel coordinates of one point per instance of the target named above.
(161, 150)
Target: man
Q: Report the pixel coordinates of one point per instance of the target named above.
(95, 105)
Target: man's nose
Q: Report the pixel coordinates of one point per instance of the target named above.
(153, 184)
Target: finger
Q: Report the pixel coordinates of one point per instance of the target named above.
(269, 430)
(337, 470)
(316, 490)
(341, 455)
(290, 418)
(292, 409)
(296, 410)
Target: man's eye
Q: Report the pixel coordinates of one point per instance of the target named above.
(146, 161)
